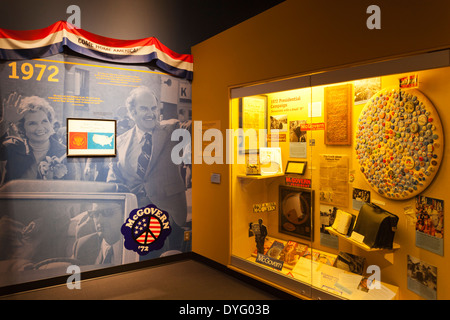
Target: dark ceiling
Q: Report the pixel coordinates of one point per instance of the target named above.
(179, 24)
(215, 16)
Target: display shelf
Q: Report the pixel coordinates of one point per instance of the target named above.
(313, 274)
(314, 280)
(269, 276)
(246, 180)
(259, 177)
(361, 245)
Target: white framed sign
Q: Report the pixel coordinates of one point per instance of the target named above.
(91, 137)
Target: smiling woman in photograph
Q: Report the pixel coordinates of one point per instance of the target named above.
(34, 153)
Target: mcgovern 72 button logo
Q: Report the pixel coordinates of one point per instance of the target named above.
(146, 229)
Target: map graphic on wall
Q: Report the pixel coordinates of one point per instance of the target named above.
(399, 142)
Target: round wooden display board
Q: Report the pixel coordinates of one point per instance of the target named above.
(399, 142)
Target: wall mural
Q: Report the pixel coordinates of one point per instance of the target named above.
(59, 210)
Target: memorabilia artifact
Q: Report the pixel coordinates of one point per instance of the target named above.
(295, 217)
(350, 262)
(375, 226)
(270, 159)
(399, 143)
(260, 232)
(292, 252)
(334, 173)
(252, 165)
(343, 222)
(338, 115)
(275, 250)
(253, 169)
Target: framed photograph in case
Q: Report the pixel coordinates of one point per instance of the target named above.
(252, 118)
(296, 212)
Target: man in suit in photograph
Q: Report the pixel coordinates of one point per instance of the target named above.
(103, 245)
(144, 165)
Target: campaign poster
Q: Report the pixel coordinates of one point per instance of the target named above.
(430, 224)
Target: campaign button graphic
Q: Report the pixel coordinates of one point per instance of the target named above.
(146, 229)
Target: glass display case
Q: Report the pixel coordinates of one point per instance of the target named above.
(338, 180)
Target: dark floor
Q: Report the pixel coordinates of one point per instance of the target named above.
(180, 280)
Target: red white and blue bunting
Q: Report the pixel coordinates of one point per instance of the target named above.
(40, 43)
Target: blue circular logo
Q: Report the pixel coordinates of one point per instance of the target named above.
(146, 229)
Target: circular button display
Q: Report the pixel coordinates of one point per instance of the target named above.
(397, 123)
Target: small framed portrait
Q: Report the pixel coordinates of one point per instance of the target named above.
(296, 212)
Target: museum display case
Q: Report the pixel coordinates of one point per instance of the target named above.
(338, 180)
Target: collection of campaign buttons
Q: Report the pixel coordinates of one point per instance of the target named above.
(399, 142)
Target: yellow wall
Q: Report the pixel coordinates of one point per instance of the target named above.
(295, 37)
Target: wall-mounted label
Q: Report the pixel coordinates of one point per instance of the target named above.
(215, 178)
(298, 182)
(312, 126)
(264, 207)
(270, 262)
(279, 137)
